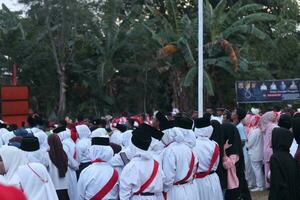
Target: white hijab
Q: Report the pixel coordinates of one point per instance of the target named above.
(83, 131)
(116, 137)
(12, 158)
(204, 132)
(36, 182)
(5, 136)
(169, 136)
(185, 136)
(99, 132)
(42, 137)
(137, 152)
(102, 152)
(126, 138)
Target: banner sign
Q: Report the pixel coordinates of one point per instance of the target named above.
(267, 91)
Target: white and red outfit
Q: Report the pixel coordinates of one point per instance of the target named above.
(100, 179)
(208, 154)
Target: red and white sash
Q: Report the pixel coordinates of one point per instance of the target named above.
(211, 164)
(150, 180)
(191, 167)
(108, 186)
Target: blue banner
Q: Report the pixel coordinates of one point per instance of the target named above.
(267, 91)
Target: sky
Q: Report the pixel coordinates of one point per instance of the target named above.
(13, 5)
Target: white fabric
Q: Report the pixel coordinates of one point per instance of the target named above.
(209, 187)
(38, 156)
(185, 136)
(60, 183)
(176, 161)
(116, 137)
(217, 118)
(36, 182)
(257, 167)
(99, 132)
(157, 148)
(89, 184)
(83, 143)
(255, 144)
(42, 137)
(293, 148)
(204, 132)
(104, 153)
(126, 138)
(168, 137)
(249, 174)
(134, 176)
(69, 148)
(12, 158)
(6, 136)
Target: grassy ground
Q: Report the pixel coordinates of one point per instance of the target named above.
(260, 195)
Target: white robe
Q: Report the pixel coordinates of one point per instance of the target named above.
(36, 182)
(134, 176)
(209, 187)
(69, 148)
(176, 161)
(93, 178)
(12, 158)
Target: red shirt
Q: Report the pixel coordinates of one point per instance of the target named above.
(11, 193)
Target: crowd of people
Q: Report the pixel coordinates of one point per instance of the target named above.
(222, 155)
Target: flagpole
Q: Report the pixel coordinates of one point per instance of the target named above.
(200, 58)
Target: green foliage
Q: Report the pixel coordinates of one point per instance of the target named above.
(116, 58)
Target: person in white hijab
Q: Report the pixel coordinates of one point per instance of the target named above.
(208, 154)
(36, 182)
(180, 162)
(126, 138)
(82, 147)
(31, 146)
(99, 132)
(12, 158)
(136, 183)
(5, 136)
(116, 137)
(69, 147)
(93, 187)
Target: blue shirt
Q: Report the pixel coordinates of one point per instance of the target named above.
(242, 132)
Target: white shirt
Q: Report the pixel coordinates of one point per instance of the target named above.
(255, 144)
(60, 183)
(93, 179)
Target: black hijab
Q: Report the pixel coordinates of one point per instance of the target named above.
(282, 139)
(296, 129)
(231, 134)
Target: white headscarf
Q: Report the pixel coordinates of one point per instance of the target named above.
(137, 152)
(102, 152)
(169, 136)
(42, 137)
(99, 132)
(83, 131)
(12, 158)
(36, 182)
(116, 137)
(126, 138)
(39, 156)
(185, 136)
(204, 132)
(5, 136)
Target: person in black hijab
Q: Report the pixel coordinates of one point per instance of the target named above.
(285, 121)
(296, 132)
(284, 174)
(232, 149)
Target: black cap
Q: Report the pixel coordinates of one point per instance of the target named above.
(3, 125)
(241, 113)
(153, 132)
(141, 138)
(163, 121)
(103, 141)
(121, 127)
(96, 121)
(59, 129)
(285, 121)
(30, 143)
(202, 122)
(183, 122)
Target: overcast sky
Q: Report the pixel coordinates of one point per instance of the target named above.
(12, 4)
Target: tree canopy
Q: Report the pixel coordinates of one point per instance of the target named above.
(98, 57)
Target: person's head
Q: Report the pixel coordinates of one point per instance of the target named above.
(282, 139)
(285, 121)
(266, 119)
(238, 115)
(226, 116)
(101, 149)
(160, 121)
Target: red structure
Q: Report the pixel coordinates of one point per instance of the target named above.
(14, 104)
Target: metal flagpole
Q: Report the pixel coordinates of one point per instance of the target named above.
(200, 58)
